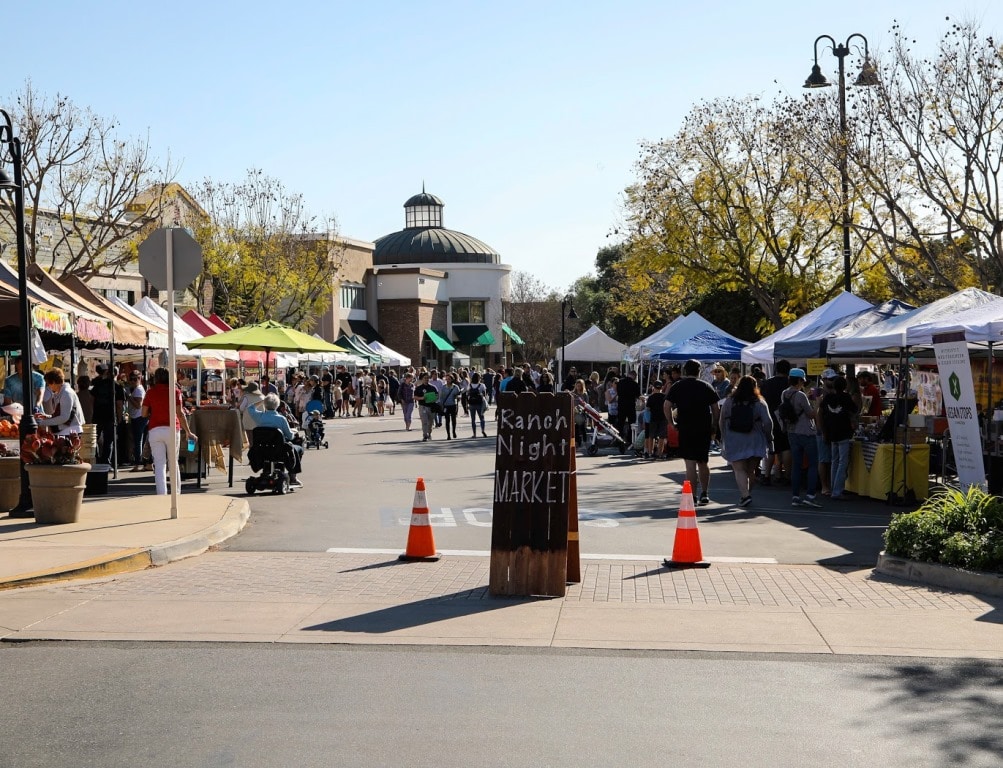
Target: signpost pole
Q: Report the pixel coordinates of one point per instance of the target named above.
(172, 382)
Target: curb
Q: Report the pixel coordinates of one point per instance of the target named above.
(231, 523)
(940, 575)
(105, 565)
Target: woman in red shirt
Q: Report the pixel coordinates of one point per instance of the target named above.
(156, 408)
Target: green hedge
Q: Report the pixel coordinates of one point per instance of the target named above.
(959, 528)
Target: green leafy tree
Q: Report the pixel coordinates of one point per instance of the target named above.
(728, 202)
(265, 257)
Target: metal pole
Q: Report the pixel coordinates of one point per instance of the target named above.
(844, 176)
(172, 382)
(560, 363)
(28, 425)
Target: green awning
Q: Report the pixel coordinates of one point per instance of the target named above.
(473, 334)
(440, 341)
(512, 334)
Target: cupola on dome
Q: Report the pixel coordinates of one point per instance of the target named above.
(425, 241)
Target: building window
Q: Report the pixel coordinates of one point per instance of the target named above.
(129, 297)
(423, 216)
(353, 297)
(468, 312)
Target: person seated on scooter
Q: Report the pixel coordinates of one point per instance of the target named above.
(270, 417)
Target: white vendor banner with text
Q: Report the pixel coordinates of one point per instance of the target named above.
(962, 417)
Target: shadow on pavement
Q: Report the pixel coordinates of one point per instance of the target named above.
(419, 613)
(961, 701)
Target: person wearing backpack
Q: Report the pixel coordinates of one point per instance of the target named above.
(746, 432)
(476, 401)
(799, 418)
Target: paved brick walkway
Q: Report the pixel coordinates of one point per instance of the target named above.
(367, 578)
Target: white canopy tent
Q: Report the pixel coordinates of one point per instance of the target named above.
(593, 346)
(148, 308)
(892, 334)
(682, 328)
(982, 323)
(389, 356)
(844, 305)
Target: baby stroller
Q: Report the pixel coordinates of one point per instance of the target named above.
(598, 433)
(270, 456)
(314, 424)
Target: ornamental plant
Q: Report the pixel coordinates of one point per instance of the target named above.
(952, 527)
(47, 448)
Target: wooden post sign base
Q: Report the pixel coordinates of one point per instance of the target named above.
(535, 495)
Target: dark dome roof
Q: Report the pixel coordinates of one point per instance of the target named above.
(431, 245)
(423, 198)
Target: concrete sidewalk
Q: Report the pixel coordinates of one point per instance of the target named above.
(370, 597)
(116, 535)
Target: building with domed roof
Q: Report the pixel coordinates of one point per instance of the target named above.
(441, 296)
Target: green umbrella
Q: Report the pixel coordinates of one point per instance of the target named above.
(266, 337)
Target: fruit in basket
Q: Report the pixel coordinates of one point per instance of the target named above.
(8, 430)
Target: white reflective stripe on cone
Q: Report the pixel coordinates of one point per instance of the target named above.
(422, 519)
(419, 500)
(684, 521)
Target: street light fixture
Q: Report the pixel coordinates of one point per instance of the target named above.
(868, 76)
(566, 302)
(15, 188)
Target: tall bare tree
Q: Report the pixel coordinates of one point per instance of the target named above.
(928, 161)
(88, 193)
(534, 316)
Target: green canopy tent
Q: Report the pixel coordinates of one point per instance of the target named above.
(266, 337)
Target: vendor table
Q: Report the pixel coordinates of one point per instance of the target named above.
(216, 427)
(871, 469)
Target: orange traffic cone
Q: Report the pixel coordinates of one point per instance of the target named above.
(686, 552)
(420, 544)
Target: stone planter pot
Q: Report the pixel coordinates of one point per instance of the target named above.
(57, 491)
(10, 482)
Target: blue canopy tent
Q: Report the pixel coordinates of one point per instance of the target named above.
(814, 343)
(706, 345)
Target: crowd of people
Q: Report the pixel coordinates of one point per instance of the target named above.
(771, 430)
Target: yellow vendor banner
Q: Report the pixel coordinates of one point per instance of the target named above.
(48, 320)
(815, 366)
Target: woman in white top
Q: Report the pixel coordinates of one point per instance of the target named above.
(137, 422)
(67, 416)
(252, 396)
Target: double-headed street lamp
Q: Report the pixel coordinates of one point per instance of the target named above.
(566, 302)
(15, 188)
(868, 76)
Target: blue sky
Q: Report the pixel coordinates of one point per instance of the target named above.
(524, 117)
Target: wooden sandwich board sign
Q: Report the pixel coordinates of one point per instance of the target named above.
(535, 496)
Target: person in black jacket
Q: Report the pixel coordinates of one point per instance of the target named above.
(627, 392)
(109, 405)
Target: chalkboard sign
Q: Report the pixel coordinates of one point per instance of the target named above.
(535, 494)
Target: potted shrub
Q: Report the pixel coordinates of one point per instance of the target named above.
(10, 477)
(56, 476)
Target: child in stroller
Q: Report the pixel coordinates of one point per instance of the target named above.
(314, 423)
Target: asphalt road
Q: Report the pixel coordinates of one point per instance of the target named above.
(359, 494)
(210, 706)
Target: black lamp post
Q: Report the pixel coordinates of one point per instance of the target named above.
(868, 76)
(15, 187)
(566, 302)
